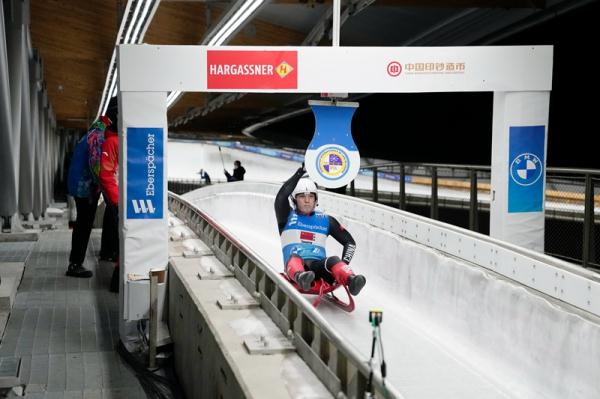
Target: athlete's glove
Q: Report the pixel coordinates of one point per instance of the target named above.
(301, 170)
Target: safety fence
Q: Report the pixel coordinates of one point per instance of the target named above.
(337, 364)
(460, 195)
(182, 186)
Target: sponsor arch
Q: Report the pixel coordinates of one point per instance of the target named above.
(520, 77)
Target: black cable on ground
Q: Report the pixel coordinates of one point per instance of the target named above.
(155, 386)
(141, 333)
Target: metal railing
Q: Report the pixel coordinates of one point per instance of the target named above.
(572, 222)
(182, 186)
(341, 368)
(572, 230)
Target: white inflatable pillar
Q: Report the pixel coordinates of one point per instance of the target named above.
(520, 129)
(143, 198)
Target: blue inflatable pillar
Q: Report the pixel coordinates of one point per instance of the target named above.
(332, 159)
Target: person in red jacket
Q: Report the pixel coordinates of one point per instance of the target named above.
(109, 167)
(108, 176)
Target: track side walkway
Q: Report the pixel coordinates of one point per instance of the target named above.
(65, 330)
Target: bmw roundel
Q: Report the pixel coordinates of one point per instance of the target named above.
(526, 169)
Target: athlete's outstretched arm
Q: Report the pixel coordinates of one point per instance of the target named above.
(341, 235)
(282, 206)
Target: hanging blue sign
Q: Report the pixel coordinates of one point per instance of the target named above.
(526, 168)
(145, 165)
(332, 159)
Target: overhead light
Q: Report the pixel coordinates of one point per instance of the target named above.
(234, 22)
(223, 33)
(129, 30)
(141, 22)
(172, 98)
(136, 12)
(132, 27)
(112, 91)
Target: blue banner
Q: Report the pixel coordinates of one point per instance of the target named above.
(290, 156)
(145, 165)
(270, 152)
(526, 168)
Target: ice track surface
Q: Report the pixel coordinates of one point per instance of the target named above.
(450, 329)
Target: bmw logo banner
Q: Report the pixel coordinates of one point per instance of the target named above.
(526, 169)
(145, 158)
(332, 159)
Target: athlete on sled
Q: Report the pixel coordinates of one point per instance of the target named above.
(304, 233)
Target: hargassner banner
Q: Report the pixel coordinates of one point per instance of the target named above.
(526, 169)
(251, 69)
(145, 157)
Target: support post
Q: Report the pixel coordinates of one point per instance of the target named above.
(375, 190)
(153, 330)
(402, 204)
(588, 219)
(473, 211)
(8, 168)
(434, 194)
(26, 158)
(335, 41)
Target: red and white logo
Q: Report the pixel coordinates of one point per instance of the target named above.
(394, 69)
(307, 236)
(235, 69)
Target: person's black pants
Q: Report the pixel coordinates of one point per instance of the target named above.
(109, 243)
(86, 212)
(110, 227)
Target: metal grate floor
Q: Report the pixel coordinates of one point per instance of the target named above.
(65, 329)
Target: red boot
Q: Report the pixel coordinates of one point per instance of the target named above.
(295, 272)
(345, 276)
